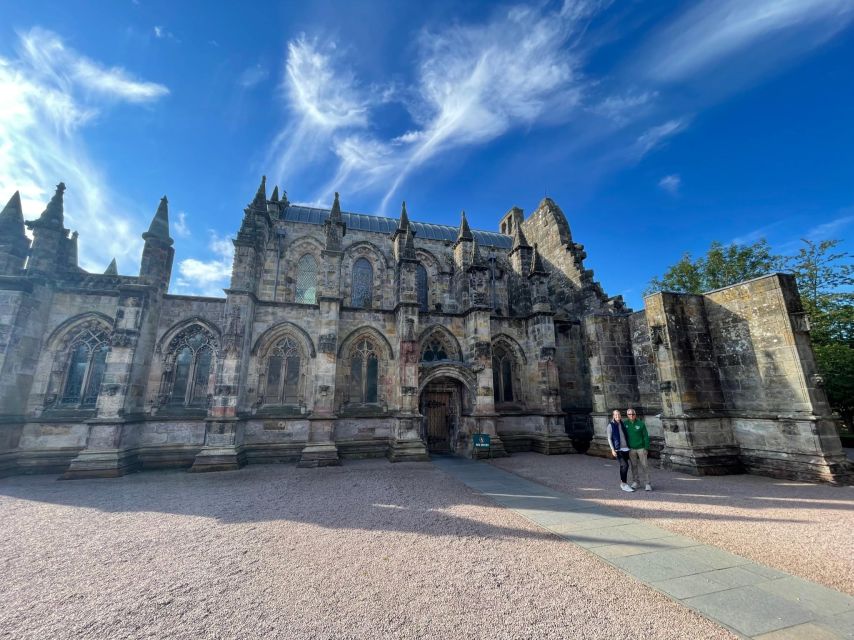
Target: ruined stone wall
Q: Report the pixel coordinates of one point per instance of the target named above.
(780, 417)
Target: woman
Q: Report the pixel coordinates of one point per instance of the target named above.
(618, 438)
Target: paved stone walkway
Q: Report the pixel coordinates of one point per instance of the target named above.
(751, 599)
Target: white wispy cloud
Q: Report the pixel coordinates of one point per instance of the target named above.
(832, 228)
(207, 277)
(51, 93)
(716, 30)
(624, 107)
(671, 183)
(252, 76)
(473, 83)
(180, 227)
(658, 135)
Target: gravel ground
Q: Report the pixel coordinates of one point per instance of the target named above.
(802, 528)
(366, 550)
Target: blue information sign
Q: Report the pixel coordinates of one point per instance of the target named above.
(481, 440)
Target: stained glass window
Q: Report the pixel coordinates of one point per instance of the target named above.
(364, 373)
(307, 280)
(283, 373)
(363, 283)
(434, 351)
(191, 371)
(423, 289)
(502, 375)
(86, 364)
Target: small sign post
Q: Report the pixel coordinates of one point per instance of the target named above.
(482, 441)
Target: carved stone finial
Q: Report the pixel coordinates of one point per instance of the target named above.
(465, 231)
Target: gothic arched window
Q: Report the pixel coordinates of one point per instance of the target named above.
(364, 372)
(284, 365)
(363, 284)
(307, 280)
(422, 288)
(502, 375)
(193, 350)
(434, 351)
(86, 364)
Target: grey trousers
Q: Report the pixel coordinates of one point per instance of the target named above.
(637, 458)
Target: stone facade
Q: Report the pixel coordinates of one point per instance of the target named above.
(345, 335)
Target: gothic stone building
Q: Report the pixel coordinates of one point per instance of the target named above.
(346, 335)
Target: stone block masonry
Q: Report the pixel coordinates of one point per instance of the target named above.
(344, 335)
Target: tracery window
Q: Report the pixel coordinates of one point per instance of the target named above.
(434, 351)
(86, 364)
(193, 350)
(284, 365)
(364, 372)
(502, 374)
(422, 288)
(363, 283)
(307, 280)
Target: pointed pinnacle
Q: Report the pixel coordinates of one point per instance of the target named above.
(160, 223)
(112, 269)
(53, 213)
(465, 231)
(260, 199)
(335, 214)
(12, 216)
(537, 263)
(404, 218)
(519, 239)
(275, 196)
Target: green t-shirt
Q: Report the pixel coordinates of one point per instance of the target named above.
(638, 435)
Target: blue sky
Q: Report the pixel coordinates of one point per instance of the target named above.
(657, 126)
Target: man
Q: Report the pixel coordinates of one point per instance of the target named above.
(638, 438)
(618, 439)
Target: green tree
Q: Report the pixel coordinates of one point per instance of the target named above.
(826, 283)
(825, 278)
(720, 267)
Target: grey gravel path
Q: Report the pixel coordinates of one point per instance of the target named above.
(801, 528)
(752, 599)
(367, 550)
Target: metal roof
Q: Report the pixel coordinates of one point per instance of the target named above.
(377, 224)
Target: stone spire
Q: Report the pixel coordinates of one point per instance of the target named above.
(260, 200)
(53, 215)
(519, 239)
(334, 227)
(112, 269)
(275, 196)
(476, 257)
(537, 267)
(465, 231)
(12, 216)
(14, 244)
(335, 214)
(159, 228)
(404, 218)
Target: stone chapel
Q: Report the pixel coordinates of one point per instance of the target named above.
(345, 335)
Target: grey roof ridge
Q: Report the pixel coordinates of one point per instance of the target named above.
(325, 212)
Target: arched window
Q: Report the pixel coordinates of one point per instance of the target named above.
(307, 280)
(284, 365)
(363, 284)
(364, 372)
(193, 350)
(434, 351)
(86, 364)
(423, 288)
(502, 375)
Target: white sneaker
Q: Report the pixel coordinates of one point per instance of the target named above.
(648, 487)
(635, 485)
(626, 487)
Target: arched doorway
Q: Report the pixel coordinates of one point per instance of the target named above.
(441, 405)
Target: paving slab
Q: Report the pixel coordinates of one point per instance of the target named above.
(751, 599)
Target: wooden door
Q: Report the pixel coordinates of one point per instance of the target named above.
(437, 410)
